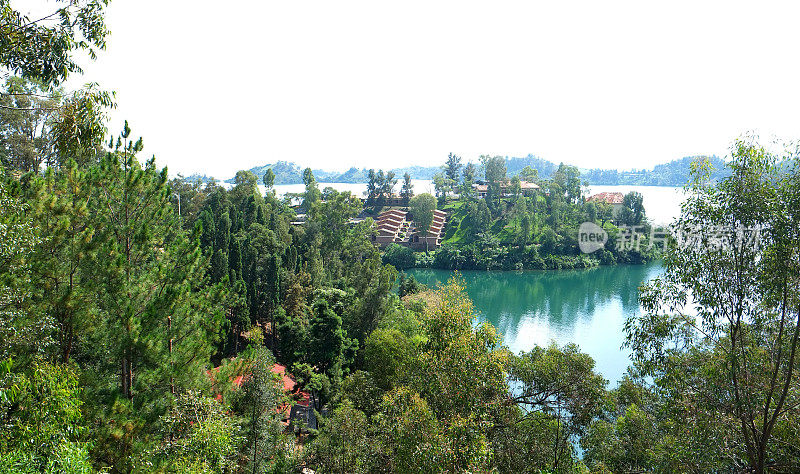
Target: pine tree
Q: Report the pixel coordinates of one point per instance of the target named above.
(408, 189)
(159, 325)
(65, 285)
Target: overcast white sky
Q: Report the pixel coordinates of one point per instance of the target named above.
(219, 86)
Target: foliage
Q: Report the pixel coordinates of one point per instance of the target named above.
(399, 256)
(559, 393)
(43, 425)
(19, 333)
(44, 48)
(256, 401)
(422, 207)
(196, 435)
(721, 327)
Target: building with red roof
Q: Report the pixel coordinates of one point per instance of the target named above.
(614, 200)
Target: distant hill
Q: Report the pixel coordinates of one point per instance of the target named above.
(674, 173)
(544, 167)
(193, 178)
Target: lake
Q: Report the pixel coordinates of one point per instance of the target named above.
(585, 307)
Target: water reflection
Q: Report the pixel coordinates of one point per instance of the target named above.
(587, 307)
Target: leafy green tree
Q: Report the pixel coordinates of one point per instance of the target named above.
(560, 388)
(468, 392)
(334, 226)
(421, 208)
(245, 187)
(44, 49)
(632, 212)
(310, 380)
(372, 188)
(269, 179)
(256, 401)
(494, 169)
(373, 282)
(312, 195)
(198, 435)
(381, 183)
(387, 354)
(192, 196)
(467, 191)
(524, 230)
(328, 336)
(26, 119)
(568, 180)
(43, 127)
(399, 257)
(343, 443)
(80, 127)
(529, 174)
(388, 184)
(515, 188)
(441, 188)
(452, 167)
(729, 351)
(480, 216)
(409, 437)
(20, 334)
(43, 427)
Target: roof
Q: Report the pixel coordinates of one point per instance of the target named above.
(528, 185)
(288, 382)
(608, 198)
(522, 185)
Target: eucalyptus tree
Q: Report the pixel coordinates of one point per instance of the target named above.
(44, 48)
(312, 195)
(27, 115)
(559, 394)
(721, 327)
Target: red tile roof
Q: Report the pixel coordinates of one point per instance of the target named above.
(288, 382)
(608, 198)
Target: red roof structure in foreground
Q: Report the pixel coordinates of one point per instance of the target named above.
(288, 384)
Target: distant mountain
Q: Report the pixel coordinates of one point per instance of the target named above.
(674, 173)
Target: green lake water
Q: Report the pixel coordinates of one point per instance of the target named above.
(585, 307)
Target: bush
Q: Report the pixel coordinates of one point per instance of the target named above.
(606, 257)
(399, 257)
(409, 286)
